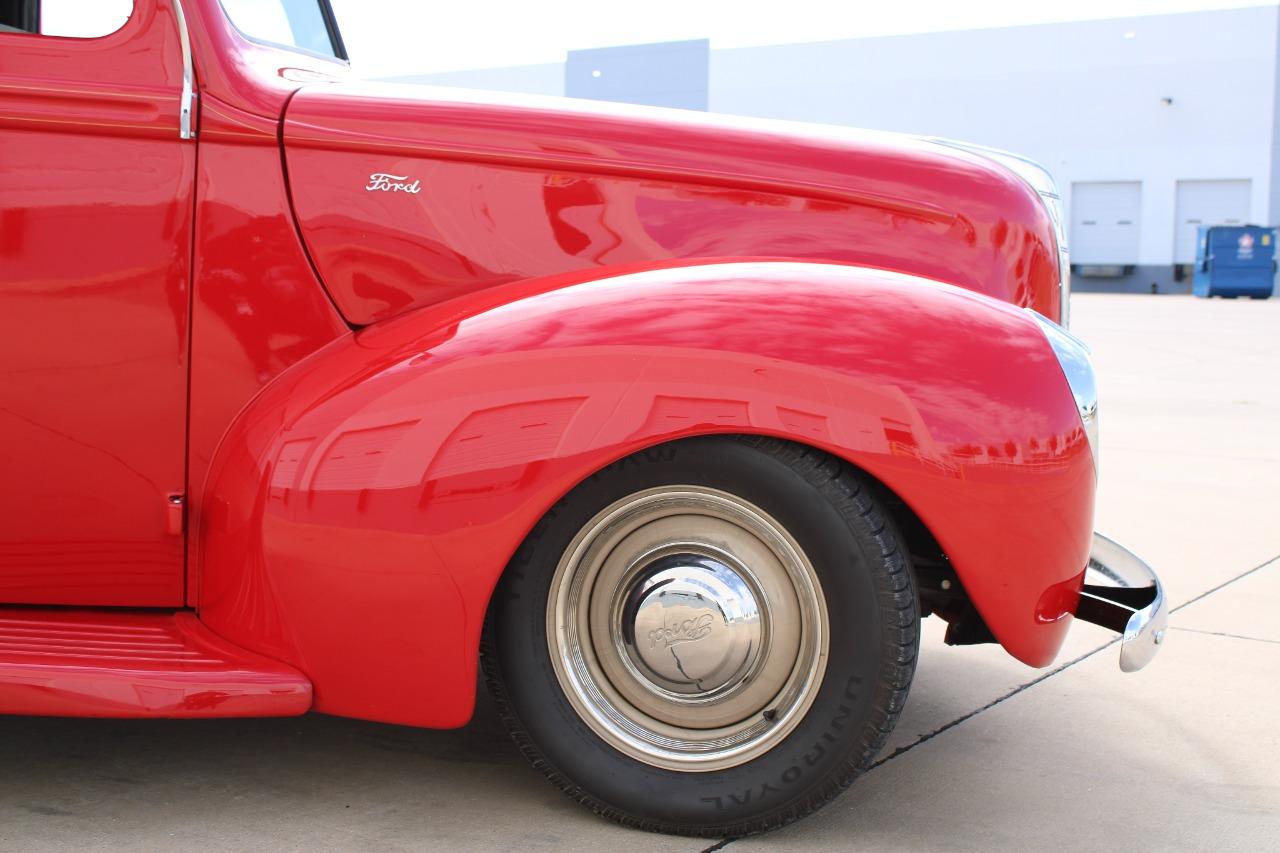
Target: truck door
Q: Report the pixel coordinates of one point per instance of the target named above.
(96, 182)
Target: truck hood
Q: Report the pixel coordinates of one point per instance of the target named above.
(409, 195)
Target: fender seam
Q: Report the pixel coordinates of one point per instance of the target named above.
(293, 211)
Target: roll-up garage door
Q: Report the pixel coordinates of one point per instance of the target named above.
(1207, 203)
(1104, 222)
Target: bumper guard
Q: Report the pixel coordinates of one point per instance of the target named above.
(1122, 593)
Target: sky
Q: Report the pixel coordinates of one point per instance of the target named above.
(394, 37)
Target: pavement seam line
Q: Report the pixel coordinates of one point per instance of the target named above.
(1050, 674)
(1225, 634)
(976, 711)
(1226, 583)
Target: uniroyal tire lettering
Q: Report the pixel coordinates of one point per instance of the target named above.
(793, 773)
(811, 757)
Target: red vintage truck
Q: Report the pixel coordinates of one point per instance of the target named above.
(316, 394)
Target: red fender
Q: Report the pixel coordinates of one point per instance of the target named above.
(362, 508)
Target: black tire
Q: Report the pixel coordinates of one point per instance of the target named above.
(866, 578)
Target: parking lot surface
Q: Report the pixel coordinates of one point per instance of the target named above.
(990, 755)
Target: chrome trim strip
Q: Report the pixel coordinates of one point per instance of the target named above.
(186, 105)
(1077, 366)
(1064, 285)
(1129, 600)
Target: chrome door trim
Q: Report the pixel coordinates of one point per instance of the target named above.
(186, 106)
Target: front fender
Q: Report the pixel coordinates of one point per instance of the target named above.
(360, 511)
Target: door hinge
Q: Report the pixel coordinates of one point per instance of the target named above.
(175, 517)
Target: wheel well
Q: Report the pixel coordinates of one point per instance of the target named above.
(938, 587)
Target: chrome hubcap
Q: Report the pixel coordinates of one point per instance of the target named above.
(687, 628)
(691, 626)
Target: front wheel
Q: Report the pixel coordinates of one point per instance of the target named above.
(712, 637)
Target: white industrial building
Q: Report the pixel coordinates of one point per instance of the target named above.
(1152, 125)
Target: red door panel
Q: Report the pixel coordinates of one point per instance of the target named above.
(95, 242)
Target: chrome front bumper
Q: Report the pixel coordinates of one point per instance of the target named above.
(1122, 593)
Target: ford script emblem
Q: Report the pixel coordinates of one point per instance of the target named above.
(389, 183)
(681, 632)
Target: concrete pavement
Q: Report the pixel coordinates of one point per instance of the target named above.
(990, 755)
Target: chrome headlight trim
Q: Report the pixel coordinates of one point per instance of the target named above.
(1077, 366)
(1038, 178)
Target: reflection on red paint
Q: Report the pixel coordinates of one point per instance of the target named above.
(515, 191)
(798, 423)
(672, 414)
(504, 434)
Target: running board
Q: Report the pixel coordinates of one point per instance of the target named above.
(112, 663)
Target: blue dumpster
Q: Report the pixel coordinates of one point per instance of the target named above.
(1235, 260)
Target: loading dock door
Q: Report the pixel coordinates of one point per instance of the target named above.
(1104, 222)
(1206, 203)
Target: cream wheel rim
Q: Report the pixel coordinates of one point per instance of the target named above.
(687, 628)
